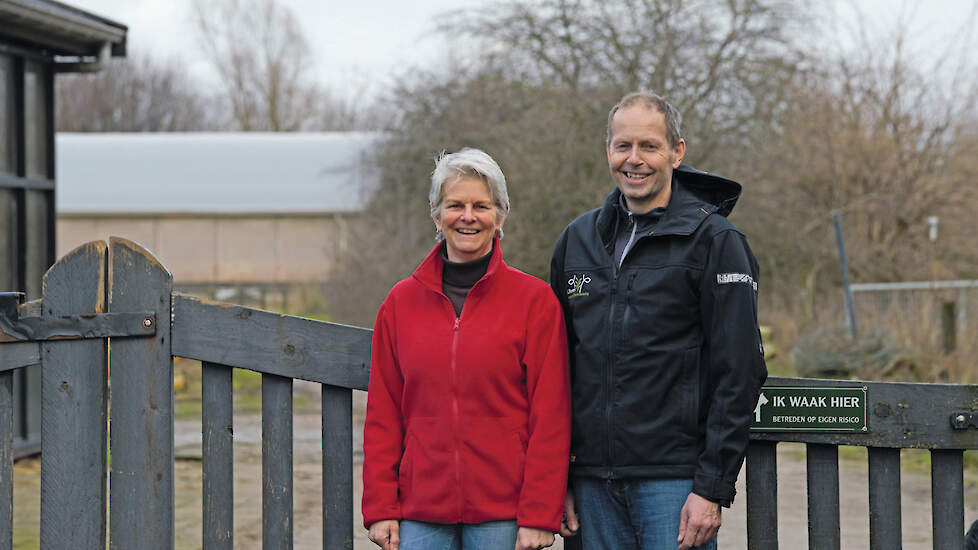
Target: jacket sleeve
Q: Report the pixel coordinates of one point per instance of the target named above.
(735, 356)
(541, 502)
(559, 285)
(557, 267)
(383, 431)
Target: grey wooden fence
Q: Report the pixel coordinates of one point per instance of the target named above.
(95, 281)
(937, 417)
(121, 291)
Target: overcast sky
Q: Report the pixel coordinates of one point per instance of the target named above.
(359, 43)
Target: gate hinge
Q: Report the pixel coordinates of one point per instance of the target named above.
(14, 328)
(964, 420)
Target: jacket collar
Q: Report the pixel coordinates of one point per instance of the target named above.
(429, 273)
(695, 195)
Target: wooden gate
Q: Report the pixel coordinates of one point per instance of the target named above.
(122, 292)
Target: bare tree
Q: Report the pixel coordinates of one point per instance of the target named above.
(722, 63)
(137, 94)
(534, 91)
(264, 63)
(876, 135)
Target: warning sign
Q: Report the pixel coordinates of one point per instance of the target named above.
(810, 409)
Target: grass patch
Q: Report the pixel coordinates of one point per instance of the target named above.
(246, 388)
(26, 539)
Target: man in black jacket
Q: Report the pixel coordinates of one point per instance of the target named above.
(659, 290)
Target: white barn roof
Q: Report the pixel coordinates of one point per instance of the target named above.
(217, 173)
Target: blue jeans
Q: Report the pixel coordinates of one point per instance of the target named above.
(634, 514)
(491, 535)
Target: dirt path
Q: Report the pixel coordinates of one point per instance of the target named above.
(792, 514)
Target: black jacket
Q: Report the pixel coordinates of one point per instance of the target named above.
(666, 355)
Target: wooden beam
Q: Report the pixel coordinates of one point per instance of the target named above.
(899, 415)
(20, 354)
(271, 343)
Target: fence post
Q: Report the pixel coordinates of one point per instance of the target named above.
(823, 496)
(142, 405)
(762, 495)
(276, 462)
(947, 497)
(885, 525)
(73, 408)
(217, 456)
(6, 460)
(337, 415)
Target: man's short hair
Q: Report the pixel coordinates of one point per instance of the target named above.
(651, 101)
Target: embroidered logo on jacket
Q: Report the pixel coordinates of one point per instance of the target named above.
(576, 285)
(727, 278)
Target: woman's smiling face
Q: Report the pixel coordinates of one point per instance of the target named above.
(467, 218)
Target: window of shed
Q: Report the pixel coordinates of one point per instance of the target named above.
(36, 120)
(8, 136)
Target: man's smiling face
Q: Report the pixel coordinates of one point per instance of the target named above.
(640, 157)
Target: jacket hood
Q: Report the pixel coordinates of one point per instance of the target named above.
(430, 271)
(710, 188)
(695, 195)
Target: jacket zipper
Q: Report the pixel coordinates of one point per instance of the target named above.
(455, 420)
(610, 378)
(454, 375)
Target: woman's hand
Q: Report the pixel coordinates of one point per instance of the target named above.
(386, 534)
(528, 538)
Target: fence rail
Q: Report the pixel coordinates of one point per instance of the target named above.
(123, 277)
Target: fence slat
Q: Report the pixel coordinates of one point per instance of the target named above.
(6, 460)
(947, 494)
(74, 392)
(762, 495)
(885, 531)
(337, 468)
(823, 497)
(271, 343)
(217, 421)
(142, 406)
(276, 462)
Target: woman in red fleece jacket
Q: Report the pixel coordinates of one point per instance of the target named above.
(467, 432)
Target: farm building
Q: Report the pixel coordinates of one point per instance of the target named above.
(38, 40)
(250, 217)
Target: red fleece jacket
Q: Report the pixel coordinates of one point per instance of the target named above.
(468, 417)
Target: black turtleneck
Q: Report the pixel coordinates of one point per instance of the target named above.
(458, 278)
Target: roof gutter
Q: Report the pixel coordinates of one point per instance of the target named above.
(61, 30)
(70, 65)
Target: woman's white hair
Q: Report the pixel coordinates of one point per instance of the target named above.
(468, 162)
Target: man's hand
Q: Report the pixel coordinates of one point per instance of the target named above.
(386, 534)
(528, 538)
(699, 521)
(569, 524)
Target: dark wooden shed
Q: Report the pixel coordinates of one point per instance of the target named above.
(38, 40)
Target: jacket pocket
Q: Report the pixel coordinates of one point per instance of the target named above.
(405, 469)
(656, 418)
(427, 474)
(494, 458)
